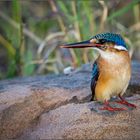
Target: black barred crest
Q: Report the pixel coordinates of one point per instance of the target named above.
(110, 37)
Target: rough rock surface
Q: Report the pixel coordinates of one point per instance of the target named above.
(52, 107)
(85, 121)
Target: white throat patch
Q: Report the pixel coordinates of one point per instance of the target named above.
(120, 48)
(111, 56)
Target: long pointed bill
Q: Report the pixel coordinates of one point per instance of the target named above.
(83, 44)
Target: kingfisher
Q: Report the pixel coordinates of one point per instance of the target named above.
(111, 71)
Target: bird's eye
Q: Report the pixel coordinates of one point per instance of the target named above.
(102, 41)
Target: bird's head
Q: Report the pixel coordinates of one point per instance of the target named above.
(104, 43)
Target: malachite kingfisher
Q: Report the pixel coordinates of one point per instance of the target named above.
(111, 71)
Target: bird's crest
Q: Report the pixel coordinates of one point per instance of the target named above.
(110, 37)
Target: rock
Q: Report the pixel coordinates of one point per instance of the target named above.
(85, 121)
(28, 103)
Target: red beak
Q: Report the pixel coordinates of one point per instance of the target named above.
(84, 44)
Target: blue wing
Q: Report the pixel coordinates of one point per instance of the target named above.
(95, 75)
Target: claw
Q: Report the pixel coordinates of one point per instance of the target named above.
(110, 108)
(123, 101)
(126, 103)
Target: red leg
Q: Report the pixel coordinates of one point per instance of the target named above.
(110, 108)
(123, 101)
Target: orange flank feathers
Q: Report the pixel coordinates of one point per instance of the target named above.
(114, 75)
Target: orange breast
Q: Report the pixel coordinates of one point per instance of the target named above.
(114, 76)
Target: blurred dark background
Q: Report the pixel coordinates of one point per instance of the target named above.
(31, 32)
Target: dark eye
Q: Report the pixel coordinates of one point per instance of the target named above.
(102, 41)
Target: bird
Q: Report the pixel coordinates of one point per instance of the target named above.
(111, 71)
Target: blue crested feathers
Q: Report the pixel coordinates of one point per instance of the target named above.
(111, 37)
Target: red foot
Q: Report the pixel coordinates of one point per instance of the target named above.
(126, 103)
(109, 108)
(123, 101)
